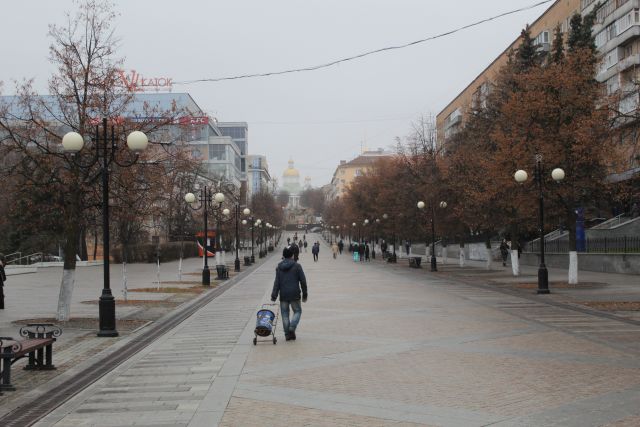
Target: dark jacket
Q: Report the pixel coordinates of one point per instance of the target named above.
(289, 279)
(3, 276)
(296, 251)
(315, 249)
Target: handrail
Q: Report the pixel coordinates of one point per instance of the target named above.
(13, 260)
(28, 258)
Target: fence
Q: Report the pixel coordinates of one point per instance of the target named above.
(620, 245)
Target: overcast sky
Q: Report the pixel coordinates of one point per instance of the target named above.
(317, 118)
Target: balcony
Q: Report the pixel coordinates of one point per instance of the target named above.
(622, 65)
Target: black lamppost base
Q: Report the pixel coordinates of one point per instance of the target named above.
(206, 276)
(253, 259)
(434, 266)
(543, 281)
(107, 315)
(236, 266)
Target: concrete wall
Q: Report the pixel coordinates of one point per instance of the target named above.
(607, 263)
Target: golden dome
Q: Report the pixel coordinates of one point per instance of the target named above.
(291, 171)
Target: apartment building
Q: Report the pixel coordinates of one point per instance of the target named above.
(258, 176)
(347, 172)
(452, 117)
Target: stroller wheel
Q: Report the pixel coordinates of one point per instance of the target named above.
(255, 341)
(275, 340)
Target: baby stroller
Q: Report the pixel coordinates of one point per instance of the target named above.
(266, 321)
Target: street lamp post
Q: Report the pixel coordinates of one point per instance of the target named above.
(521, 176)
(72, 143)
(422, 205)
(205, 201)
(253, 225)
(245, 212)
(226, 213)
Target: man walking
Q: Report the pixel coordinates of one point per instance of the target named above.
(288, 283)
(315, 250)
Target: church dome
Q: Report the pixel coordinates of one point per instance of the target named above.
(291, 171)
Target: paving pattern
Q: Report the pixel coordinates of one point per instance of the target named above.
(376, 348)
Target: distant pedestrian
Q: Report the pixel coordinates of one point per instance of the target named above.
(504, 251)
(305, 245)
(340, 246)
(289, 281)
(356, 253)
(366, 252)
(335, 249)
(407, 246)
(361, 249)
(3, 278)
(315, 250)
(383, 247)
(295, 249)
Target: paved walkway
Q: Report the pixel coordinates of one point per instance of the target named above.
(376, 348)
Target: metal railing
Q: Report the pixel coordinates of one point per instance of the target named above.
(613, 245)
(28, 259)
(613, 222)
(13, 257)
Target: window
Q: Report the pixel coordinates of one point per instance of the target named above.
(610, 59)
(358, 172)
(217, 152)
(542, 38)
(234, 132)
(196, 153)
(613, 85)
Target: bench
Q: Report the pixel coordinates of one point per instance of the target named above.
(392, 258)
(223, 271)
(414, 261)
(38, 347)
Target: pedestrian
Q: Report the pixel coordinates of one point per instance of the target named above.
(504, 251)
(335, 249)
(295, 250)
(361, 250)
(305, 245)
(340, 246)
(3, 278)
(315, 250)
(407, 246)
(383, 247)
(366, 252)
(289, 281)
(356, 253)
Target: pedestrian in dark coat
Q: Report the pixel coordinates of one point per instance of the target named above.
(295, 250)
(315, 250)
(361, 249)
(366, 252)
(340, 246)
(3, 278)
(504, 251)
(289, 281)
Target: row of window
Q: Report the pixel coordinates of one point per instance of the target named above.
(617, 27)
(607, 9)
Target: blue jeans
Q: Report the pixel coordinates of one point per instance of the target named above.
(290, 326)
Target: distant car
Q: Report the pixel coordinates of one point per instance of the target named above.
(315, 230)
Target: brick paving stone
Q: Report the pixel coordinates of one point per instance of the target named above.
(247, 412)
(378, 345)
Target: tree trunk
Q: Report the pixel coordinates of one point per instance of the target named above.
(573, 253)
(72, 234)
(82, 245)
(515, 261)
(444, 255)
(95, 243)
(489, 263)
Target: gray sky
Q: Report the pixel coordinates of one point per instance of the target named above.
(319, 117)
